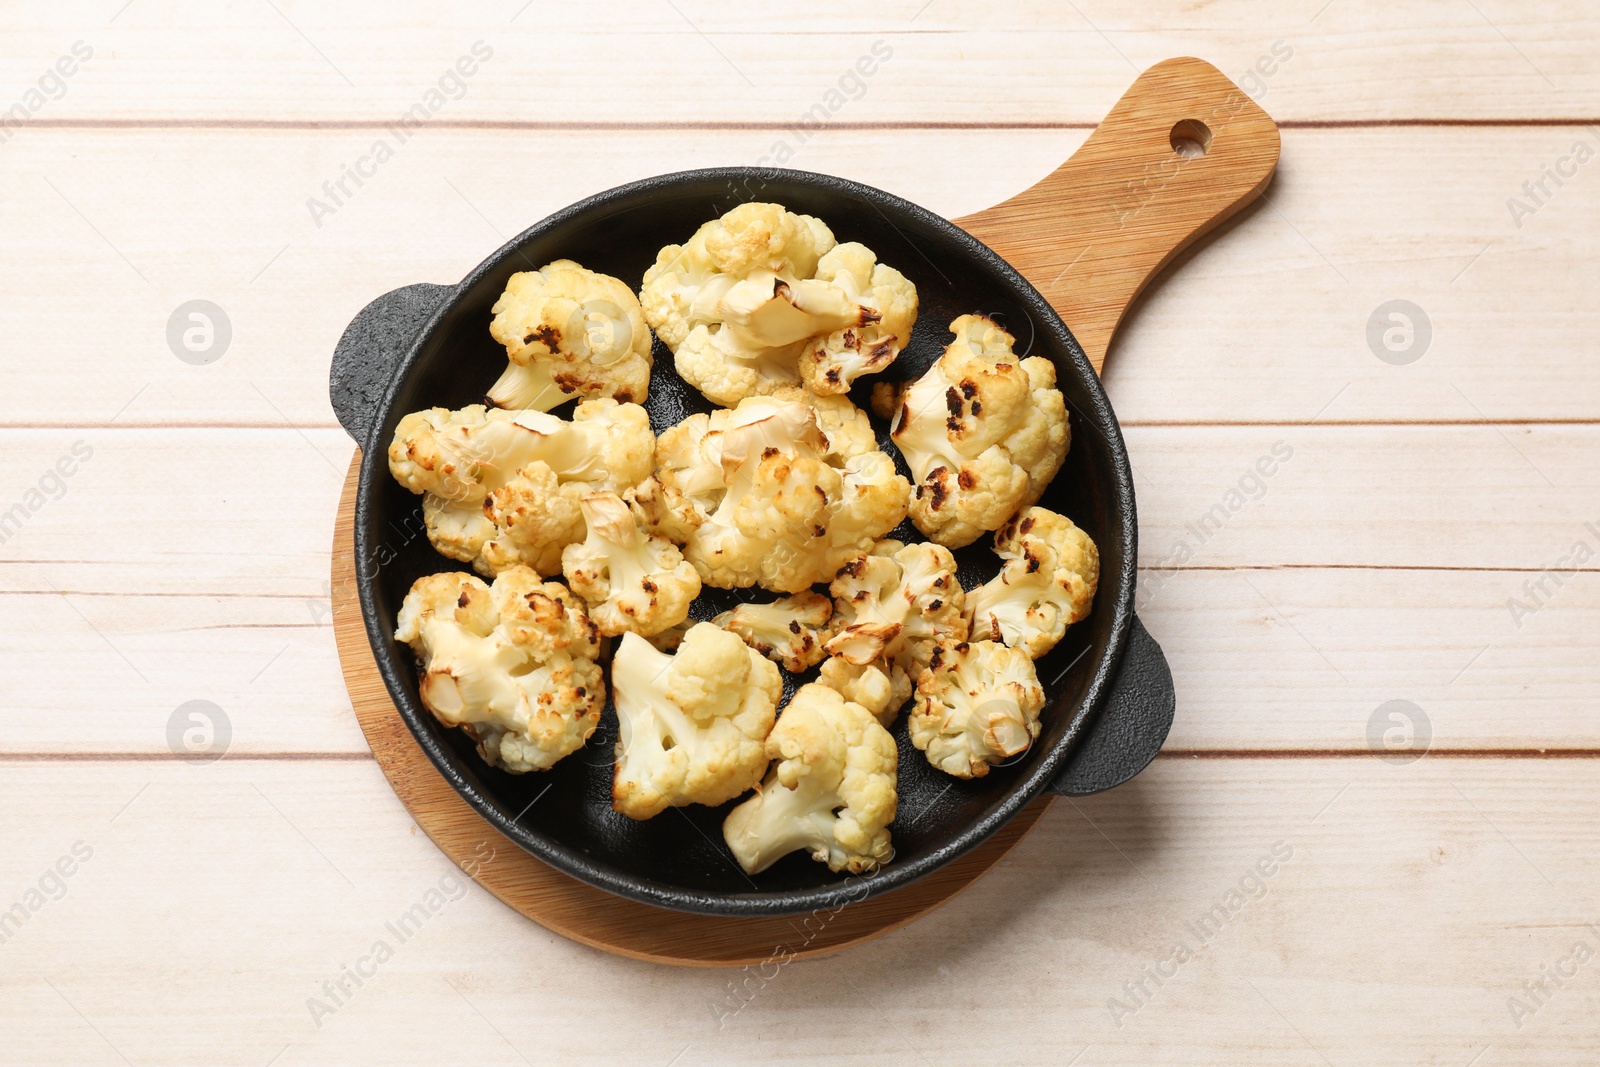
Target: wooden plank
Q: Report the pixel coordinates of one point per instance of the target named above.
(225, 511)
(1248, 677)
(1373, 496)
(1290, 659)
(1204, 345)
(626, 61)
(1279, 637)
(288, 873)
(104, 674)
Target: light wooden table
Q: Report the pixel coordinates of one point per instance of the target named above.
(185, 556)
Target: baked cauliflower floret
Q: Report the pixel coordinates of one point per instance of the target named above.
(693, 725)
(1046, 584)
(633, 581)
(983, 432)
(513, 665)
(532, 518)
(569, 332)
(741, 300)
(977, 704)
(785, 516)
(789, 631)
(891, 607)
(831, 793)
(831, 364)
(432, 452)
(882, 687)
(848, 430)
(502, 488)
(687, 484)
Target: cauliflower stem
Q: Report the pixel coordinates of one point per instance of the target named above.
(569, 333)
(831, 793)
(693, 725)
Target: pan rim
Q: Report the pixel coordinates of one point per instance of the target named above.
(847, 889)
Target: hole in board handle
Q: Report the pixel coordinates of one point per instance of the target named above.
(1190, 138)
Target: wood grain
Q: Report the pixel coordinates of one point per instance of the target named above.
(1355, 218)
(1100, 227)
(579, 911)
(218, 902)
(1285, 630)
(1029, 61)
(221, 897)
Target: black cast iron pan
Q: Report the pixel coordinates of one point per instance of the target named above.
(1110, 697)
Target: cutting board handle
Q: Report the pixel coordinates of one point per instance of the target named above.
(1183, 151)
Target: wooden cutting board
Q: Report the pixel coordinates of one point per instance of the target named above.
(1181, 152)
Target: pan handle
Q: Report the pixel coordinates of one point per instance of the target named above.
(1183, 151)
(372, 346)
(1131, 725)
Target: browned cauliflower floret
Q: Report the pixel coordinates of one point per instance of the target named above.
(502, 488)
(832, 364)
(534, 517)
(977, 704)
(891, 607)
(569, 332)
(789, 631)
(983, 432)
(633, 582)
(746, 295)
(759, 496)
(512, 665)
(1046, 584)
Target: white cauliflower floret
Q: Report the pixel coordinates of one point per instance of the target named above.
(847, 428)
(882, 687)
(1046, 584)
(533, 517)
(569, 332)
(670, 638)
(977, 704)
(784, 516)
(891, 607)
(688, 483)
(831, 364)
(983, 433)
(789, 631)
(512, 665)
(502, 488)
(633, 582)
(431, 454)
(832, 792)
(740, 301)
(693, 725)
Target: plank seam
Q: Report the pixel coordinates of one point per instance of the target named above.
(623, 126)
